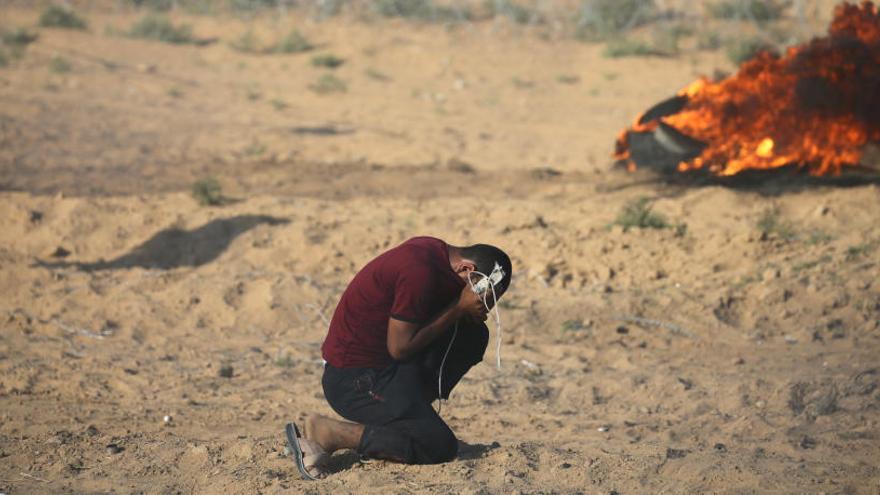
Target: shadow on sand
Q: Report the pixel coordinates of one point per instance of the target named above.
(173, 247)
(768, 183)
(348, 459)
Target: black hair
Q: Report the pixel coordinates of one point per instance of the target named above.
(484, 257)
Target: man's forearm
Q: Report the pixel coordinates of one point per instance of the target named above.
(421, 337)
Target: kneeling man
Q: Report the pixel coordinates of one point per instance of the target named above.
(405, 331)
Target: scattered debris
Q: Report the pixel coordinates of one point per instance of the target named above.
(675, 453)
(807, 443)
(60, 252)
(226, 371)
(656, 323)
(796, 397)
(532, 367)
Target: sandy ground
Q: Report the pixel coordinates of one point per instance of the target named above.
(711, 358)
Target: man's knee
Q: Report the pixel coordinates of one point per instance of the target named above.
(438, 444)
(447, 447)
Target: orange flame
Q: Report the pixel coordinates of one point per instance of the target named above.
(816, 107)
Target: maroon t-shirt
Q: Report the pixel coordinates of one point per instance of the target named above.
(412, 282)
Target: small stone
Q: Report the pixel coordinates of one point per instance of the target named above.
(36, 216)
(113, 448)
(739, 361)
(226, 371)
(60, 252)
(622, 330)
(675, 453)
(760, 404)
(564, 465)
(771, 273)
(807, 443)
(167, 419)
(603, 429)
(720, 447)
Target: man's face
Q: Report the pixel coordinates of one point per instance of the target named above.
(466, 270)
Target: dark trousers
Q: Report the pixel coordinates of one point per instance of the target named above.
(394, 403)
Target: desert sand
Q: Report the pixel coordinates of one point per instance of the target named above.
(714, 356)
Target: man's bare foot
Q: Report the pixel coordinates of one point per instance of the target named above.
(332, 435)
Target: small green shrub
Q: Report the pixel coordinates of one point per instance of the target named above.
(255, 149)
(160, 28)
(666, 37)
(57, 16)
(758, 10)
(514, 11)
(621, 47)
(637, 213)
(253, 93)
(246, 43)
(422, 10)
(806, 265)
(744, 50)
(285, 362)
(419, 9)
(858, 250)
(294, 42)
(4, 61)
(572, 325)
(59, 65)
(328, 83)
(568, 79)
(157, 5)
(819, 237)
(601, 19)
(770, 224)
(207, 192)
(18, 37)
(708, 40)
(329, 61)
(522, 83)
(377, 75)
(251, 6)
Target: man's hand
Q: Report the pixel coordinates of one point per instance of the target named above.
(470, 304)
(406, 339)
